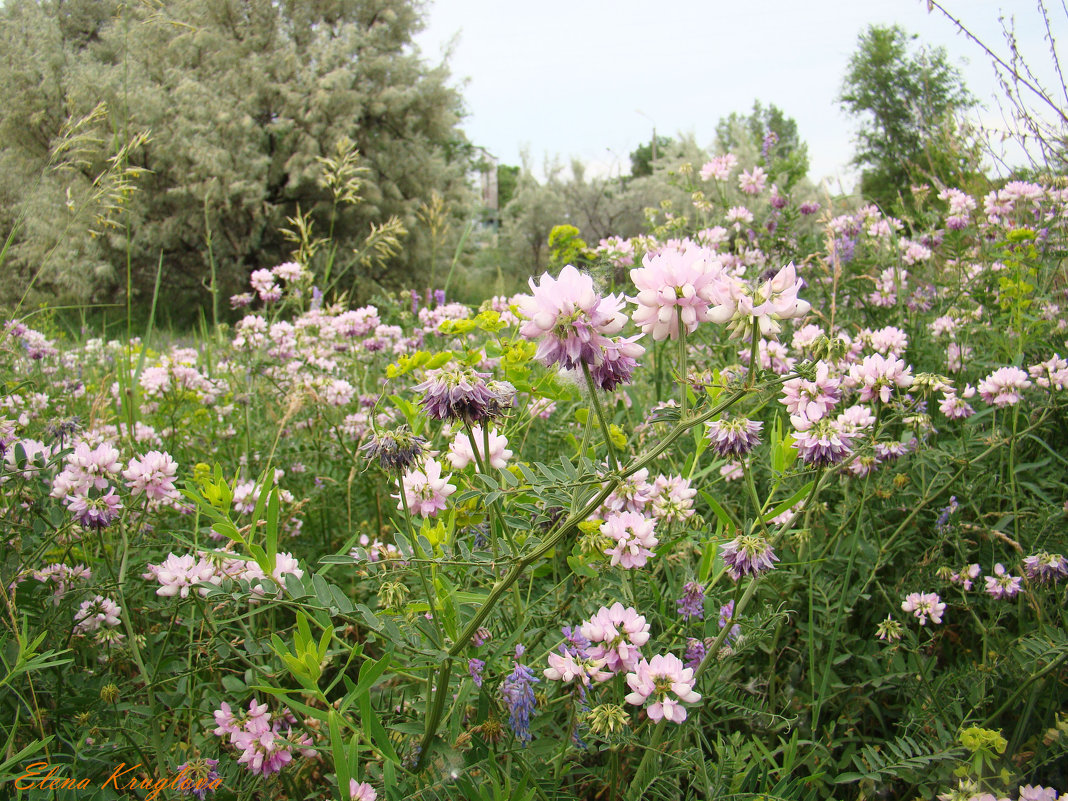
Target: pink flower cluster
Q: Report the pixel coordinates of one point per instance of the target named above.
(570, 320)
(425, 491)
(924, 605)
(616, 635)
(461, 453)
(267, 742)
(634, 538)
(664, 679)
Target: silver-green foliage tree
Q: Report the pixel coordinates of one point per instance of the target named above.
(239, 98)
(906, 98)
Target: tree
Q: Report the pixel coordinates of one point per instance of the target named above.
(507, 179)
(641, 160)
(905, 98)
(775, 137)
(240, 99)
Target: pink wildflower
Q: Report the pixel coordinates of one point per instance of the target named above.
(924, 605)
(672, 283)
(361, 791)
(153, 475)
(747, 555)
(734, 437)
(616, 635)
(461, 453)
(812, 399)
(1051, 374)
(823, 442)
(570, 320)
(426, 490)
(568, 667)
(719, 167)
(752, 182)
(878, 375)
(634, 538)
(1003, 386)
(93, 614)
(1001, 584)
(668, 682)
(672, 499)
(177, 574)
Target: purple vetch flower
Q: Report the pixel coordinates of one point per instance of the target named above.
(518, 693)
(692, 603)
(1001, 584)
(619, 358)
(474, 669)
(439, 297)
(415, 303)
(823, 442)
(770, 140)
(198, 776)
(726, 617)
(695, 653)
(748, 555)
(480, 637)
(575, 642)
(1044, 567)
(942, 523)
(96, 512)
(461, 393)
(734, 437)
(397, 450)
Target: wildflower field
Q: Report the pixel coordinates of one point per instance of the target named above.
(771, 502)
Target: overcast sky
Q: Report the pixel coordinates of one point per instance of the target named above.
(590, 78)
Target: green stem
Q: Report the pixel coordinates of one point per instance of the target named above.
(596, 403)
(684, 384)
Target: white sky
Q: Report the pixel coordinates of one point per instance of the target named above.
(589, 78)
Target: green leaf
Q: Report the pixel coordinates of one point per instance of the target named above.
(376, 732)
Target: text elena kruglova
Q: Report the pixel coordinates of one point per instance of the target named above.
(45, 776)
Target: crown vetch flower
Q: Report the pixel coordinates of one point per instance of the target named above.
(634, 538)
(619, 358)
(878, 375)
(673, 282)
(748, 555)
(766, 304)
(1001, 584)
(362, 791)
(426, 490)
(1003, 386)
(152, 474)
(812, 399)
(672, 499)
(668, 682)
(616, 635)
(395, 450)
(824, 442)
(1045, 567)
(734, 437)
(461, 453)
(93, 614)
(97, 511)
(461, 393)
(569, 667)
(177, 574)
(924, 605)
(569, 319)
